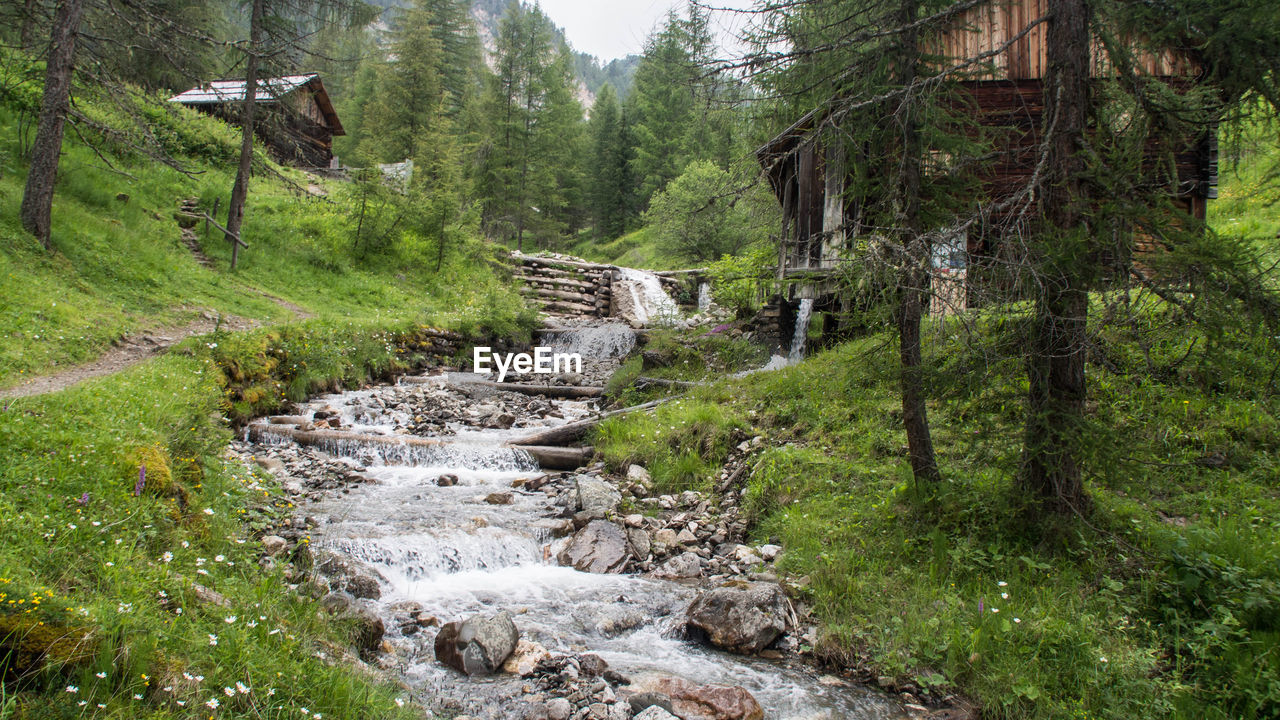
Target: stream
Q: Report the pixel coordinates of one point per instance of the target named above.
(447, 552)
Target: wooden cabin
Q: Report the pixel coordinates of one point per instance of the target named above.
(296, 119)
(808, 171)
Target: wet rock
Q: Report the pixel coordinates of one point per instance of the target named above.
(684, 565)
(525, 658)
(596, 497)
(643, 700)
(337, 603)
(592, 665)
(369, 630)
(478, 645)
(499, 498)
(364, 586)
(740, 617)
(447, 480)
(600, 547)
(558, 527)
(690, 701)
(613, 620)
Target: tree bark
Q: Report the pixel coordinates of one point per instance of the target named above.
(37, 197)
(27, 36)
(914, 278)
(240, 190)
(1056, 364)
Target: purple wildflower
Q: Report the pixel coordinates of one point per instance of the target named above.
(84, 499)
(142, 480)
(980, 605)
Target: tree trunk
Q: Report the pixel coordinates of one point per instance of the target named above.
(37, 197)
(914, 277)
(27, 35)
(1056, 364)
(240, 190)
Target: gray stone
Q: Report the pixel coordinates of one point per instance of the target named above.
(684, 565)
(478, 645)
(596, 497)
(364, 586)
(666, 537)
(337, 602)
(559, 709)
(654, 712)
(369, 630)
(635, 473)
(499, 498)
(600, 547)
(274, 545)
(770, 552)
(638, 541)
(740, 617)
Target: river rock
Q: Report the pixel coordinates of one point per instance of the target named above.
(274, 545)
(447, 480)
(478, 645)
(684, 565)
(740, 617)
(654, 712)
(770, 552)
(364, 586)
(691, 701)
(559, 709)
(667, 537)
(369, 630)
(638, 474)
(525, 658)
(600, 547)
(499, 498)
(596, 498)
(684, 537)
(638, 541)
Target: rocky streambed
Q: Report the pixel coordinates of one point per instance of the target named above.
(495, 589)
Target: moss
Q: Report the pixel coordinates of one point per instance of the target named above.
(29, 644)
(151, 461)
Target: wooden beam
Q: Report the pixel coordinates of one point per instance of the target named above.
(570, 433)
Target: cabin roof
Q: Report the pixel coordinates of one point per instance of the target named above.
(270, 90)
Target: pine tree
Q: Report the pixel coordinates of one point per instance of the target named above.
(409, 88)
(610, 177)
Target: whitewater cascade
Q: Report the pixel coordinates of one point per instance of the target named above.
(704, 296)
(649, 301)
(801, 335)
(449, 551)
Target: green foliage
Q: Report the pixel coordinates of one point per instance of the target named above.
(695, 216)
(1161, 604)
(736, 280)
(611, 183)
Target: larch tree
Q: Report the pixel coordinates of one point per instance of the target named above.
(37, 196)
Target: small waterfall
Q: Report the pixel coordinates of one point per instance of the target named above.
(608, 340)
(801, 334)
(704, 296)
(650, 301)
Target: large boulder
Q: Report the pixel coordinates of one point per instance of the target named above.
(478, 645)
(596, 497)
(684, 565)
(600, 547)
(740, 617)
(691, 701)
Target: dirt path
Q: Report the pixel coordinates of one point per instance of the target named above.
(128, 352)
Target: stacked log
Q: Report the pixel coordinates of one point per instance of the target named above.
(565, 286)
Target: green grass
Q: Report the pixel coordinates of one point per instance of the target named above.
(637, 249)
(98, 611)
(1163, 602)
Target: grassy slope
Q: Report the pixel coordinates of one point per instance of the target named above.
(96, 582)
(637, 249)
(1165, 602)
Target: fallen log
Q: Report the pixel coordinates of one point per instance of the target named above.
(559, 282)
(567, 306)
(259, 431)
(568, 392)
(574, 431)
(288, 419)
(642, 382)
(558, 295)
(553, 262)
(558, 458)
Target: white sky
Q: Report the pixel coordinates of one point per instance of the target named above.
(612, 29)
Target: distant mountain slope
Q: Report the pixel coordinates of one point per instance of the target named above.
(592, 74)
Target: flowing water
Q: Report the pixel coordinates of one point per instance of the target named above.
(704, 296)
(801, 335)
(651, 302)
(449, 551)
